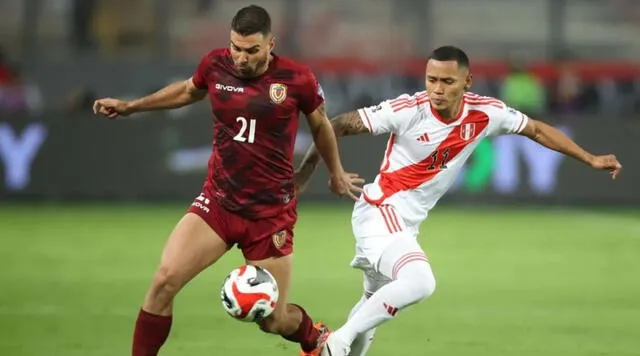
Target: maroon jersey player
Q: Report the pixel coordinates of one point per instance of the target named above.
(248, 197)
(255, 129)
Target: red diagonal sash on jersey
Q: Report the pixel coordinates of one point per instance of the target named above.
(411, 177)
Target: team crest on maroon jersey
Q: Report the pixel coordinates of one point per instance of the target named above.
(467, 131)
(278, 93)
(279, 238)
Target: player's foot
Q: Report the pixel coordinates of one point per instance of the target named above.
(324, 334)
(334, 346)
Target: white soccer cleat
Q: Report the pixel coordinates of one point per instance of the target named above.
(334, 346)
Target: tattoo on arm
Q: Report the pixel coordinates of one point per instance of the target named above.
(348, 123)
(345, 124)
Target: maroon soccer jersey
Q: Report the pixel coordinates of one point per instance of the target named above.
(255, 122)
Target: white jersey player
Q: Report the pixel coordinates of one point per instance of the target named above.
(431, 135)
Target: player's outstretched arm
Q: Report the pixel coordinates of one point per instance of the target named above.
(172, 96)
(345, 124)
(554, 139)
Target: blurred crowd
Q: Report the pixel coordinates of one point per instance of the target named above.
(568, 96)
(17, 94)
(66, 30)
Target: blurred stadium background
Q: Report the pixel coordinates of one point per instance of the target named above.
(534, 253)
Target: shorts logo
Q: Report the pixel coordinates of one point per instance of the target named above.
(203, 199)
(279, 238)
(278, 93)
(201, 203)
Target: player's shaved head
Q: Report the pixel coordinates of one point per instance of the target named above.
(450, 53)
(251, 20)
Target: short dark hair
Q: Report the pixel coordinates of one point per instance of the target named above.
(450, 53)
(250, 20)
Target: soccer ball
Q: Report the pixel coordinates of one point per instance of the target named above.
(249, 293)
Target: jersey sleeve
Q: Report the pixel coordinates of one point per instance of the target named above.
(507, 121)
(200, 75)
(311, 94)
(390, 116)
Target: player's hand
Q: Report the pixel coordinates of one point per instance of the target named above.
(607, 163)
(345, 184)
(111, 108)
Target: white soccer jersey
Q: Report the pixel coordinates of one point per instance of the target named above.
(424, 153)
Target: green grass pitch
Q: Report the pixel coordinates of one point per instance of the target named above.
(510, 282)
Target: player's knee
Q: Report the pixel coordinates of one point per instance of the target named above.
(167, 282)
(422, 281)
(426, 280)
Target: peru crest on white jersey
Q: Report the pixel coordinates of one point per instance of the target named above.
(424, 153)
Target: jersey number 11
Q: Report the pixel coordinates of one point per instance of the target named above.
(439, 159)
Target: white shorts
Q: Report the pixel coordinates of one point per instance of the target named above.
(382, 239)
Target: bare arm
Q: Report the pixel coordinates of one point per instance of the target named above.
(172, 96)
(554, 139)
(325, 139)
(342, 125)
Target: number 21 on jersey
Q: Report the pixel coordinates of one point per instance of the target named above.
(251, 135)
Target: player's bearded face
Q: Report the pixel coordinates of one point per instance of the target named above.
(446, 83)
(251, 53)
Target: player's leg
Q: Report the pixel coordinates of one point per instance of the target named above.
(291, 321)
(361, 344)
(192, 246)
(372, 281)
(269, 245)
(412, 280)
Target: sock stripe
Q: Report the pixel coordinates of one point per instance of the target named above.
(401, 260)
(404, 260)
(424, 259)
(404, 257)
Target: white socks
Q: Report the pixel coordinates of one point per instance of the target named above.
(414, 281)
(363, 341)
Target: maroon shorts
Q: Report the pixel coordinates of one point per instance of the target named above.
(258, 239)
